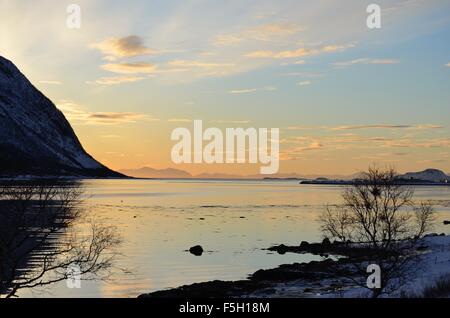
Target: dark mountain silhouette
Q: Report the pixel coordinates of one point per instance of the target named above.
(35, 137)
(432, 175)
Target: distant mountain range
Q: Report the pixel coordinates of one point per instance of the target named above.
(35, 137)
(170, 173)
(432, 175)
(147, 172)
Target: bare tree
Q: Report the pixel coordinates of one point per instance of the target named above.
(38, 244)
(379, 214)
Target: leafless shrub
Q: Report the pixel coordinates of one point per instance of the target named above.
(378, 212)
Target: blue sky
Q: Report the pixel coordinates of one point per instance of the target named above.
(344, 96)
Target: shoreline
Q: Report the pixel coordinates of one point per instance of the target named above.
(302, 181)
(319, 279)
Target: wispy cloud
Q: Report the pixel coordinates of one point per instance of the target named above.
(114, 80)
(252, 90)
(304, 83)
(116, 117)
(448, 65)
(427, 126)
(130, 68)
(128, 46)
(179, 120)
(303, 74)
(236, 122)
(298, 152)
(372, 127)
(366, 61)
(50, 82)
(300, 52)
(387, 126)
(265, 32)
(199, 64)
(76, 114)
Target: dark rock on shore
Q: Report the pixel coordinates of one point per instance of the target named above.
(213, 289)
(260, 281)
(326, 241)
(196, 250)
(325, 248)
(304, 244)
(446, 222)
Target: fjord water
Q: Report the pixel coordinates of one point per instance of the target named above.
(233, 220)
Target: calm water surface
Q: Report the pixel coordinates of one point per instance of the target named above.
(233, 220)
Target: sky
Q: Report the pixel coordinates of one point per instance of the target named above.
(343, 96)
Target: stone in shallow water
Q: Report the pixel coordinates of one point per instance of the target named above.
(196, 250)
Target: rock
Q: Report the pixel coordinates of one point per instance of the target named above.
(282, 249)
(196, 250)
(304, 244)
(326, 241)
(446, 222)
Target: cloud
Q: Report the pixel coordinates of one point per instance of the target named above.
(50, 82)
(244, 91)
(116, 117)
(130, 68)
(427, 126)
(199, 64)
(179, 120)
(231, 121)
(372, 127)
(297, 152)
(304, 83)
(128, 46)
(384, 126)
(114, 80)
(253, 90)
(301, 52)
(199, 69)
(265, 32)
(302, 74)
(448, 65)
(312, 146)
(423, 143)
(304, 127)
(77, 115)
(366, 61)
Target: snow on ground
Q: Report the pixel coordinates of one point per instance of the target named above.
(434, 262)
